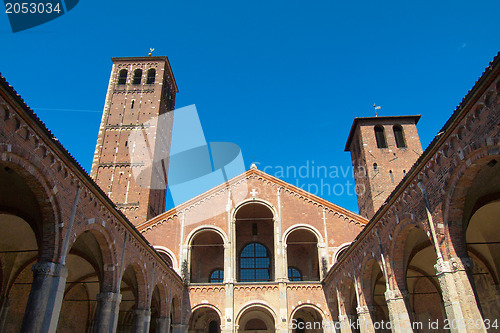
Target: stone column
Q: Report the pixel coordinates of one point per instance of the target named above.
(106, 315)
(398, 311)
(345, 324)
(162, 324)
(4, 308)
(365, 319)
(180, 328)
(45, 299)
(142, 318)
(458, 297)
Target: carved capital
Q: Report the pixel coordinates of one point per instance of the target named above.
(50, 268)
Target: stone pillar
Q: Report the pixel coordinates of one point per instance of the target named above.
(345, 324)
(142, 318)
(398, 311)
(365, 319)
(4, 308)
(180, 328)
(458, 297)
(45, 299)
(162, 324)
(106, 315)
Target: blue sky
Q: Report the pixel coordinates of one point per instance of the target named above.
(283, 80)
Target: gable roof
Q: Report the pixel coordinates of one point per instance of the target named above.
(292, 188)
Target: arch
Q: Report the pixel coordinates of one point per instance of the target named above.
(254, 201)
(302, 226)
(137, 76)
(373, 288)
(206, 227)
(399, 136)
(311, 306)
(380, 136)
(169, 253)
(251, 266)
(122, 76)
(340, 250)
(216, 276)
(302, 252)
(206, 253)
(202, 319)
(249, 310)
(254, 220)
(28, 178)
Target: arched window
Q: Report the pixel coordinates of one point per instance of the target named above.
(399, 136)
(294, 274)
(151, 76)
(380, 137)
(392, 176)
(255, 263)
(137, 76)
(217, 276)
(122, 76)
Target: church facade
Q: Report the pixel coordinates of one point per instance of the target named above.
(99, 253)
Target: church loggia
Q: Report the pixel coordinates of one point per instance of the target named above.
(99, 253)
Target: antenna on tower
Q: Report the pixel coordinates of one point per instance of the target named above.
(150, 51)
(376, 108)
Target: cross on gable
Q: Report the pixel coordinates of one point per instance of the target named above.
(253, 192)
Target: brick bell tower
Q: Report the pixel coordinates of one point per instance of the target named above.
(140, 89)
(383, 149)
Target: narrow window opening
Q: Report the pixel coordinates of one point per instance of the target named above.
(399, 136)
(151, 76)
(137, 76)
(380, 137)
(375, 167)
(122, 76)
(404, 172)
(392, 176)
(132, 105)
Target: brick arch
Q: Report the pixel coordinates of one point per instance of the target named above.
(169, 253)
(323, 315)
(208, 306)
(142, 284)
(454, 202)
(191, 236)
(347, 289)
(162, 290)
(254, 201)
(38, 180)
(341, 248)
(263, 305)
(302, 226)
(175, 308)
(365, 276)
(396, 265)
(108, 253)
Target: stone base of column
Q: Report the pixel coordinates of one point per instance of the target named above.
(398, 312)
(180, 328)
(162, 325)
(142, 319)
(365, 319)
(106, 316)
(45, 299)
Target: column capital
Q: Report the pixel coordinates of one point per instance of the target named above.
(391, 295)
(50, 268)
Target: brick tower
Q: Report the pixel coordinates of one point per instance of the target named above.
(382, 150)
(140, 89)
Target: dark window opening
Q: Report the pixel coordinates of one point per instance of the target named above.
(217, 276)
(399, 136)
(122, 76)
(392, 176)
(255, 263)
(132, 106)
(380, 137)
(375, 166)
(294, 274)
(151, 76)
(137, 76)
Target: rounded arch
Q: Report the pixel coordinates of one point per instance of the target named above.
(250, 307)
(343, 247)
(108, 252)
(308, 306)
(210, 306)
(302, 226)
(36, 181)
(302, 252)
(169, 253)
(206, 253)
(458, 204)
(204, 318)
(263, 202)
(192, 234)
